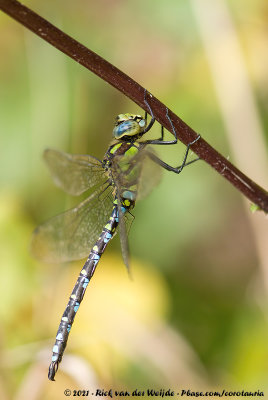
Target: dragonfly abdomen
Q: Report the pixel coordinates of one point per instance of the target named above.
(79, 290)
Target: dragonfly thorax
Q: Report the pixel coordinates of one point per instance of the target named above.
(129, 127)
(121, 163)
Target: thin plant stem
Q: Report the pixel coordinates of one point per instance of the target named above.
(135, 92)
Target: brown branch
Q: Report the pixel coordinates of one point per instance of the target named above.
(135, 92)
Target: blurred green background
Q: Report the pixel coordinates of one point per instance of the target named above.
(195, 315)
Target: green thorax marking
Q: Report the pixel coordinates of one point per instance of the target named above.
(122, 161)
(122, 152)
(122, 164)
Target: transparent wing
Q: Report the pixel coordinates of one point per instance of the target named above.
(74, 173)
(71, 235)
(125, 220)
(128, 218)
(151, 174)
(123, 238)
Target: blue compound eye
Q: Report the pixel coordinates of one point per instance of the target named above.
(126, 128)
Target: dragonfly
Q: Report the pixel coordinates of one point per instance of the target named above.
(114, 184)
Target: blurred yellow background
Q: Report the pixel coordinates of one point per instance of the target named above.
(195, 315)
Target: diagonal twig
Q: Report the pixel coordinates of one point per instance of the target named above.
(135, 92)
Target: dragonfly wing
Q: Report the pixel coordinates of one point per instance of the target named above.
(123, 239)
(151, 174)
(74, 173)
(71, 235)
(128, 218)
(125, 220)
(124, 228)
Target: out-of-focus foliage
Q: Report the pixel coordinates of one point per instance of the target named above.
(195, 314)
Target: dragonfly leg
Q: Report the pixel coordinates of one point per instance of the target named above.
(184, 163)
(161, 140)
(151, 113)
(162, 128)
(178, 169)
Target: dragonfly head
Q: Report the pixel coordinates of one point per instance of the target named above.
(129, 126)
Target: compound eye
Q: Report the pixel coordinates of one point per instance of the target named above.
(142, 123)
